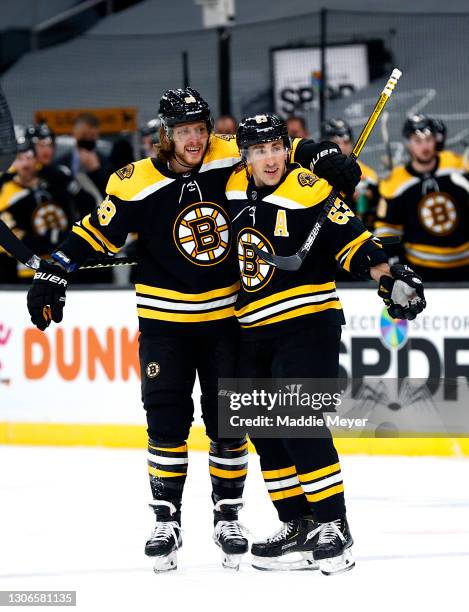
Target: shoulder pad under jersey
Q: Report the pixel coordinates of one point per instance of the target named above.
(301, 189)
(222, 152)
(136, 181)
(397, 182)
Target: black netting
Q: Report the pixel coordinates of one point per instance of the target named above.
(106, 70)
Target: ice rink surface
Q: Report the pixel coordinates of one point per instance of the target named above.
(76, 519)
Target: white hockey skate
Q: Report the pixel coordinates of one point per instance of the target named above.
(166, 538)
(229, 534)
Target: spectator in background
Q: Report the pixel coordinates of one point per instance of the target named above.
(89, 167)
(296, 126)
(36, 205)
(365, 198)
(226, 124)
(426, 204)
(149, 137)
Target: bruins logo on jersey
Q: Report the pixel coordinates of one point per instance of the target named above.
(438, 214)
(125, 172)
(226, 136)
(202, 233)
(306, 180)
(255, 273)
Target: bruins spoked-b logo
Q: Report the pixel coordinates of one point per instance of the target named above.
(438, 214)
(255, 273)
(202, 233)
(153, 369)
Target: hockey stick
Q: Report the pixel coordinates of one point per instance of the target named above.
(115, 262)
(294, 262)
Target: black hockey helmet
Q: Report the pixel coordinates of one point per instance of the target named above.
(183, 106)
(39, 131)
(440, 133)
(151, 128)
(336, 128)
(23, 142)
(259, 129)
(421, 125)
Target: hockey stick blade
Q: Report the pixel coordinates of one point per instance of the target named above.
(291, 263)
(108, 262)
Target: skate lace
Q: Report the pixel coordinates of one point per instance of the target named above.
(284, 531)
(230, 530)
(164, 530)
(329, 531)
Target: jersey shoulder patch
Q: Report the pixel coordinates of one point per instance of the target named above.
(301, 189)
(397, 182)
(132, 181)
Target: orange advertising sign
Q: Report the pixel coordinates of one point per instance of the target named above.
(112, 120)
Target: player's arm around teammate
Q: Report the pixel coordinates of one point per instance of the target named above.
(291, 325)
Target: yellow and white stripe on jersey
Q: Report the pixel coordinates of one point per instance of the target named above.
(222, 152)
(437, 257)
(288, 304)
(174, 306)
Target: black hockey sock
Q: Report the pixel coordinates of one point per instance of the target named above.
(167, 468)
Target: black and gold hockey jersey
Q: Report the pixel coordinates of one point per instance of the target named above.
(185, 280)
(278, 219)
(185, 275)
(40, 216)
(430, 213)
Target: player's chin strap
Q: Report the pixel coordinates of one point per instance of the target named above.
(294, 262)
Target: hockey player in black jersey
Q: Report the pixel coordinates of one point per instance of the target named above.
(425, 203)
(186, 286)
(291, 327)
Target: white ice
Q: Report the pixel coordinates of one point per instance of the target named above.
(76, 519)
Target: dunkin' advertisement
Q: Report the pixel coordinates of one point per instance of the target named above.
(86, 369)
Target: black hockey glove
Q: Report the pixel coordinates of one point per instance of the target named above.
(46, 297)
(340, 171)
(402, 293)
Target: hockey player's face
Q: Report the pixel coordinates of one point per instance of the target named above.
(45, 151)
(25, 165)
(422, 148)
(190, 142)
(267, 162)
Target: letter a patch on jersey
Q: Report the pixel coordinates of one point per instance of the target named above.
(281, 224)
